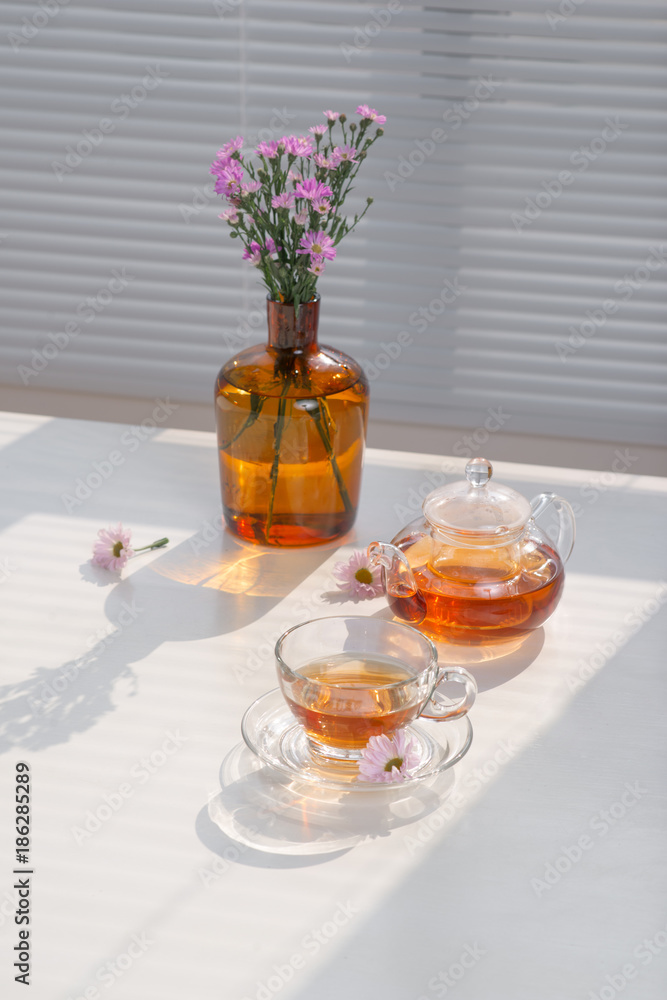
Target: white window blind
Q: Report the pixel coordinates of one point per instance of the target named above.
(517, 235)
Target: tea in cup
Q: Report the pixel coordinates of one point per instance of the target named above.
(348, 678)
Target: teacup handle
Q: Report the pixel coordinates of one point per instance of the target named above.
(440, 708)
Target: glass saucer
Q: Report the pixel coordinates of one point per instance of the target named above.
(261, 809)
(270, 730)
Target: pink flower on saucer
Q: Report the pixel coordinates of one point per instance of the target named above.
(387, 759)
(357, 578)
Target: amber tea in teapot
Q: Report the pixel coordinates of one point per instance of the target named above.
(477, 568)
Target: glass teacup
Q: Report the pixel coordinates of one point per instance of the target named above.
(347, 678)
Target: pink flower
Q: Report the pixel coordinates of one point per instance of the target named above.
(267, 149)
(271, 246)
(322, 161)
(113, 548)
(331, 115)
(253, 253)
(317, 243)
(249, 187)
(285, 200)
(230, 175)
(301, 218)
(230, 215)
(297, 145)
(321, 205)
(371, 113)
(318, 129)
(357, 578)
(311, 188)
(317, 268)
(389, 758)
(294, 175)
(231, 147)
(343, 154)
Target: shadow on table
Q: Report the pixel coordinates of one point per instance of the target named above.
(265, 818)
(210, 585)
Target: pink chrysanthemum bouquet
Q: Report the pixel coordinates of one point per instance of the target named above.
(286, 209)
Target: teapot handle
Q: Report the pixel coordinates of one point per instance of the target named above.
(566, 521)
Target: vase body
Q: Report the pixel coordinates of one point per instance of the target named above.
(291, 421)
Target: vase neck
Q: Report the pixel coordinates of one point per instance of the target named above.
(287, 332)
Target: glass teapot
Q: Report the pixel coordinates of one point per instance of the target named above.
(476, 568)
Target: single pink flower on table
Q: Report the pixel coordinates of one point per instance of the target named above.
(371, 113)
(318, 129)
(317, 243)
(113, 547)
(284, 200)
(331, 115)
(358, 578)
(317, 268)
(389, 758)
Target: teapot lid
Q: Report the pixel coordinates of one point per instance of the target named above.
(476, 506)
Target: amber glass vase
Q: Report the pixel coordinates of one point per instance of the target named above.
(291, 418)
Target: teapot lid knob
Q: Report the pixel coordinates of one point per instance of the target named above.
(478, 471)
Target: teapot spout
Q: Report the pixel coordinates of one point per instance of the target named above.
(405, 598)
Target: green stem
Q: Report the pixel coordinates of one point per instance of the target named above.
(278, 429)
(155, 545)
(322, 421)
(256, 404)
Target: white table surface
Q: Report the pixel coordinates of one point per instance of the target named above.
(476, 900)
